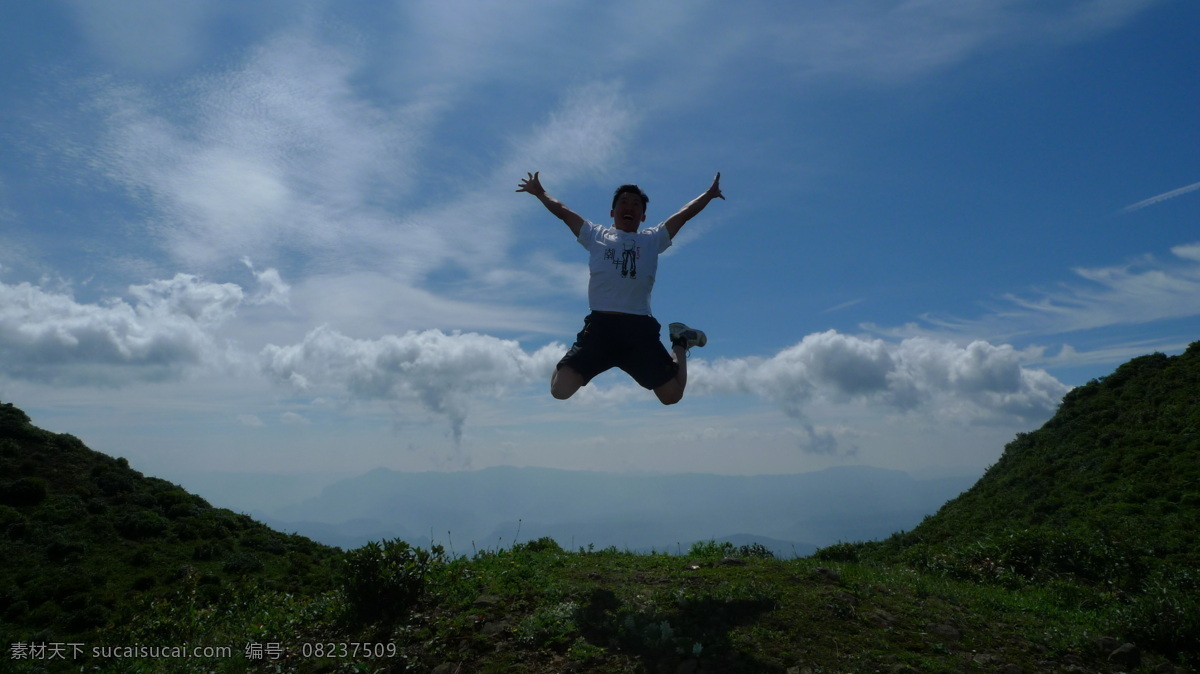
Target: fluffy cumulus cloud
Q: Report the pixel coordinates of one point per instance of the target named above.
(976, 383)
(979, 382)
(48, 336)
(441, 371)
(272, 288)
(164, 329)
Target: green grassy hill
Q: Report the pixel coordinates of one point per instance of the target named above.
(1104, 498)
(1075, 553)
(1120, 459)
(90, 549)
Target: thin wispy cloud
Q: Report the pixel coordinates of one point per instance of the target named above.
(1161, 198)
(144, 35)
(893, 42)
(278, 155)
(1140, 292)
(844, 305)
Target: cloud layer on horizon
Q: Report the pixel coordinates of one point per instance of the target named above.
(976, 383)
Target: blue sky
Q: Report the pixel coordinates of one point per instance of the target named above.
(284, 237)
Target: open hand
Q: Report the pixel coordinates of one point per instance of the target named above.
(532, 185)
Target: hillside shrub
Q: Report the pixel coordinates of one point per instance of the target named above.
(25, 492)
(14, 423)
(711, 549)
(1166, 615)
(9, 515)
(544, 544)
(64, 509)
(550, 626)
(840, 552)
(140, 524)
(112, 482)
(715, 550)
(205, 552)
(383, 581)
(755, 551)
(61, 548)
(92, 615)
(242, 563)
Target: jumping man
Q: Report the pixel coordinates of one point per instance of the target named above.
(620, 331)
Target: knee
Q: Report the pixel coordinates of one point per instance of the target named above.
(669, 397)
(564, 384)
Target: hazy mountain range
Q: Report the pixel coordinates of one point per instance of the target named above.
(489, 508)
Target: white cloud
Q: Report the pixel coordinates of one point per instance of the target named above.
(294, 419)
(443, 372)
(1187, 252)
(582, 137)
(684, 48)
(453, 44)
(894, 41)
(448, 373)
(1142, 291)
(1161, 198)
(282, 159)
(185, 296)
(1069, 356)
(272, 288)
(48, 336)
(250, 420)
(976, 383)
(145, 35)
(279, 154)
(374, 303)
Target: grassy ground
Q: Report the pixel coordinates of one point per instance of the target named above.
(551, 611)
(537, 608)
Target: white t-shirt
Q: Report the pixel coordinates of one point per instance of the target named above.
(622, 266)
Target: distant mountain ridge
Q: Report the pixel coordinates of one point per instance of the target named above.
(635, 511)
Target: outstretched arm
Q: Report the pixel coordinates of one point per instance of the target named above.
(533, 186)
(675, 222)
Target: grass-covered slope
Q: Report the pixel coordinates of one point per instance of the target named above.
(1121, 458)
(1104, 499)
(86, 542)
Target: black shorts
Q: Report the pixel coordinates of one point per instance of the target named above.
(627, 341)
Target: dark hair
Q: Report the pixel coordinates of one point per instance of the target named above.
(633, 189)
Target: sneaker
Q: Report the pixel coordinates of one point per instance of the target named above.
(688, 337)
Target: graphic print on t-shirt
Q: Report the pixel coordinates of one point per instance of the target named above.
(629, 256)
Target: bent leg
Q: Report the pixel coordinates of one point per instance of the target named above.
(672, 391)
(565, 381)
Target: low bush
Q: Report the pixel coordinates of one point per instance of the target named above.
(383, 581)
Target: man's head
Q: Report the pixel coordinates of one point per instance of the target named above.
(629, 208)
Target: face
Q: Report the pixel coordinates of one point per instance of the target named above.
(629, 212)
